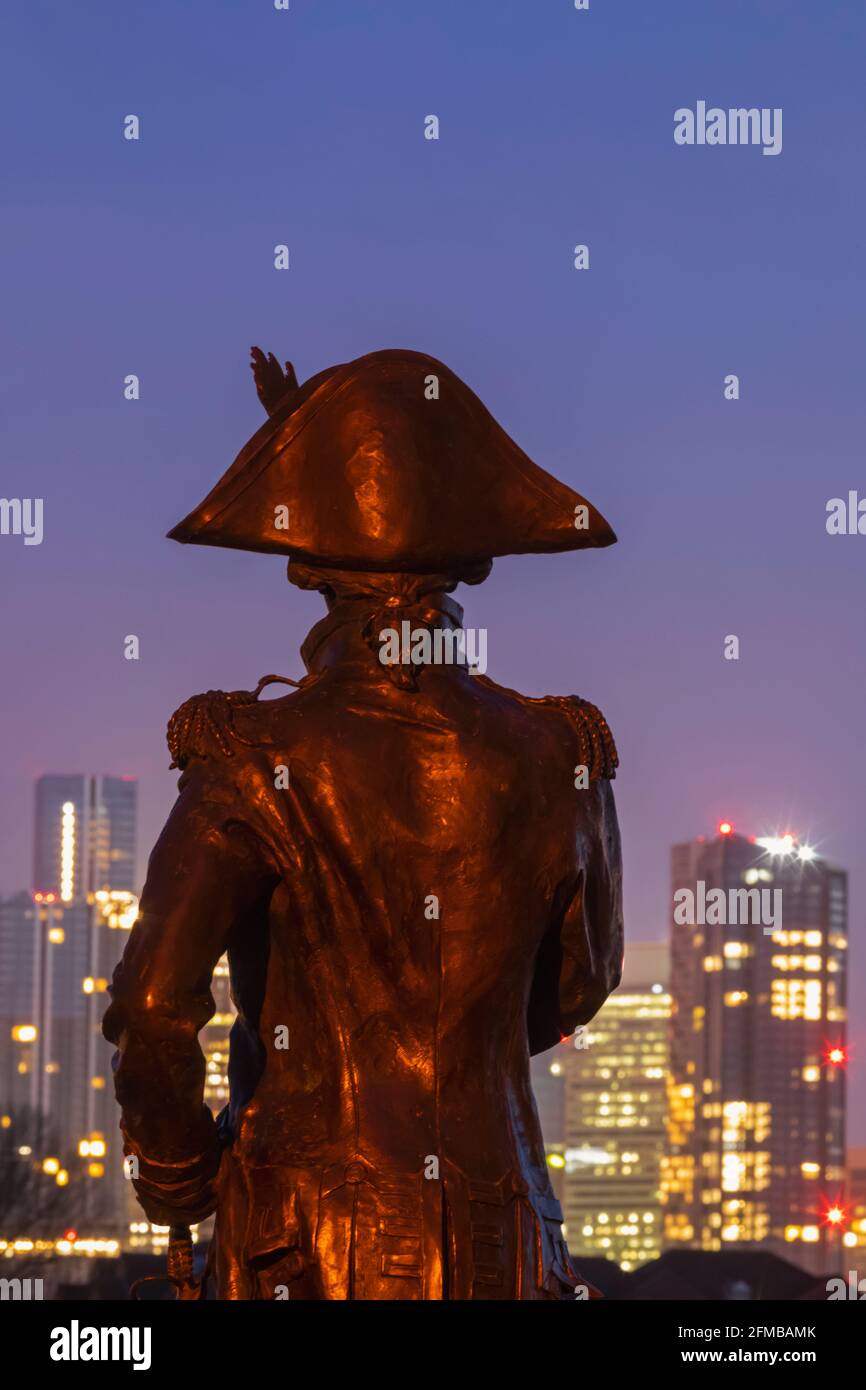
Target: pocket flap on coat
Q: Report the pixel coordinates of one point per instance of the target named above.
(274, 1221)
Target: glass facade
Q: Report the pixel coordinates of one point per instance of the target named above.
(58, 949)
(756, 1146)
(615, 1110)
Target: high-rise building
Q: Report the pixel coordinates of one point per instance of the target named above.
(58, 949)
(548, 1087)
(17, 924)
(85, 835)
(547, 1075)
(615, 1100)
(854, 1238)
(756, 1148)
(856, 1180)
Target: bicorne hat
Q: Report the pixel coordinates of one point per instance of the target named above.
(389, 462)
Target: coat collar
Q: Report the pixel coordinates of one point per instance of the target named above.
(340, 634)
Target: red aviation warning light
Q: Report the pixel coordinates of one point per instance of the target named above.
(834, 1213)
(725, 827)
(836, 1056)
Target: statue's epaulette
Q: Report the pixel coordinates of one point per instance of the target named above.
(597, 748)
(203, 726)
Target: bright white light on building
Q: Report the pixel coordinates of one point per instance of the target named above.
(781, 845)
(771, 843)
(805, 853)
(67, 852)
(588, 1158)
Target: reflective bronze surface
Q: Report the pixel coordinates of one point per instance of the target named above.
(375, 474)
(430, 899)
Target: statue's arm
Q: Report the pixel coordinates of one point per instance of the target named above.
(205, 874)
(580, 960)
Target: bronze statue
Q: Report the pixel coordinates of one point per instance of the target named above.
(415, 874)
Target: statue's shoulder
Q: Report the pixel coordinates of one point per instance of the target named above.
(596, 746)
(205, 725)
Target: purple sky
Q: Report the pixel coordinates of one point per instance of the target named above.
(306, 127)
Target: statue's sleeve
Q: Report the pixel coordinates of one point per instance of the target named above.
(580, 959)
(207, 871)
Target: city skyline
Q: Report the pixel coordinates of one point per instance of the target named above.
(617, 1128)
(217, 1032)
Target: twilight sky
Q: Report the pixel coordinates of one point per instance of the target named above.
(306, 127)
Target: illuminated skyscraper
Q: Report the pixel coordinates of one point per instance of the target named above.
(854, 1236)
(17, 919)
(84, 835)
(548, 1087)
(615, 1100)
(756, 1148)
(547, 1074)
(66, 942)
